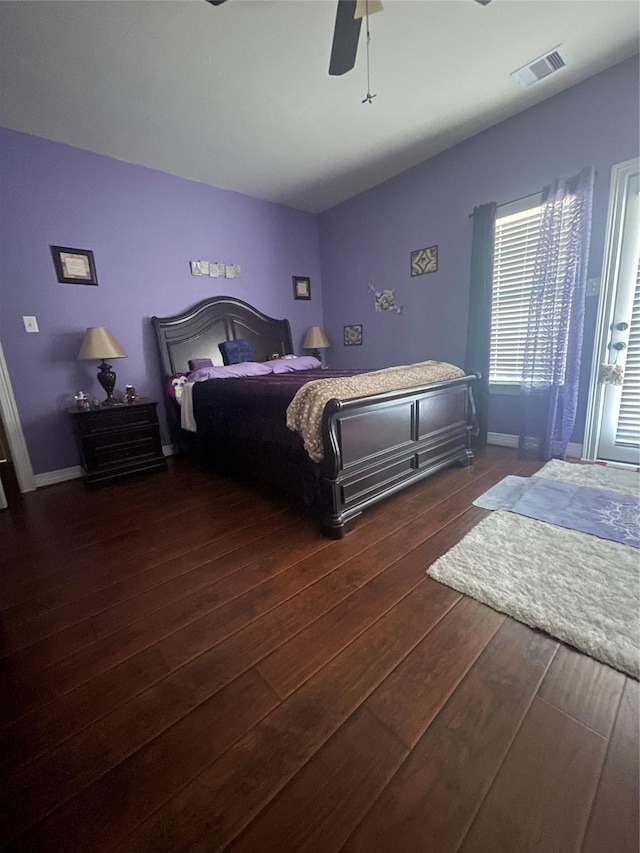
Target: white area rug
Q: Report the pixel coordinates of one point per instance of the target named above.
(596, 476)
(578, 588)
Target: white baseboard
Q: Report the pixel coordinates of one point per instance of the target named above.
(502, 439)
(49, 478)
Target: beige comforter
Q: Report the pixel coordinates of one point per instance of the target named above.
(304, 414)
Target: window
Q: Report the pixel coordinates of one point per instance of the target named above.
(516, 242)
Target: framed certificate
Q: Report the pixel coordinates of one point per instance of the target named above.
(74, 266)
(301, 287)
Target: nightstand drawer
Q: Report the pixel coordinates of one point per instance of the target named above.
(116, 438)
(108, 420)
(119, 453)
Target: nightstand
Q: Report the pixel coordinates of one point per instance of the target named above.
(115, 441)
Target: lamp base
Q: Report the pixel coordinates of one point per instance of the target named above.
(316, 354)
(107, 378)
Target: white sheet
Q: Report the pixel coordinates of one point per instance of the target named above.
(187, 421)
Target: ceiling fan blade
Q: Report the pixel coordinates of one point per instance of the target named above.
(345, 39)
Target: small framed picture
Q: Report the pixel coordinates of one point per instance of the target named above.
(74, 266)
(424, 261)
(301, 287)
(353, 335)
(199, 267)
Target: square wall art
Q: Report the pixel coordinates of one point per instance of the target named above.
(353, 335)
(424, 261)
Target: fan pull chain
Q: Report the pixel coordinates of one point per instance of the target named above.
(368, 99)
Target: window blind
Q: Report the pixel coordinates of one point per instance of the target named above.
(516, 242)
(517, 238)
(628, 429)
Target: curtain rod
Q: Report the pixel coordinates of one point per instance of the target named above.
(522, 197)
(513, 200)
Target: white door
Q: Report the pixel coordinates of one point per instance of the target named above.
(617, 428)
(13, 431)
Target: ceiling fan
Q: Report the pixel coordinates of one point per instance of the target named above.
(346, 32)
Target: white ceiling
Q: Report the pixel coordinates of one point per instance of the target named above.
(239, 96)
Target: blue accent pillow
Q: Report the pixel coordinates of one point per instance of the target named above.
(235, 352)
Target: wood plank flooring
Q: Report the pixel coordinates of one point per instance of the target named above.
(186, 664)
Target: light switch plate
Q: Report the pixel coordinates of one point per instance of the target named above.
(30, 324)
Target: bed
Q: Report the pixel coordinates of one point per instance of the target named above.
(373, 446)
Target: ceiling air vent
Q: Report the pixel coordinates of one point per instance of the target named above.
(541, 67)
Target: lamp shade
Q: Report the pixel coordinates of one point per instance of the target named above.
(98, 342)
(315, 339)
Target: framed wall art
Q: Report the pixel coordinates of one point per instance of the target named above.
(301, 287)
(353, 335)
(424, 261)
(74, 266)
(200, 267)
(385, 300)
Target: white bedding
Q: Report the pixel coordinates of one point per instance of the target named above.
(187, 421)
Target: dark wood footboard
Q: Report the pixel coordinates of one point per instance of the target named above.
(376, 446)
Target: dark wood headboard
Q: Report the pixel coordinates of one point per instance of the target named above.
(197, 332)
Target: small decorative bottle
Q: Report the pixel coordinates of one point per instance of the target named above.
(82, 401)
(130, 394)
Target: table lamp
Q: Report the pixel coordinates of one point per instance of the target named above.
(315, 340)
(99, 343)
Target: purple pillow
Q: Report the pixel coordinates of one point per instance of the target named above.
(197, 363)
(229, 371)
(250, 368)
(289, 365)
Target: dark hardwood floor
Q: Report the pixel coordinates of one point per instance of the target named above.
(188, 665)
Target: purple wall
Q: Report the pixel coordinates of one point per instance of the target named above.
(368, 239)
(144, 227)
